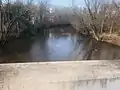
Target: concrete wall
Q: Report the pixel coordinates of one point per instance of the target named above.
(83, 75)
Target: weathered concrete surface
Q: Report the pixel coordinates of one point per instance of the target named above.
(83, 75)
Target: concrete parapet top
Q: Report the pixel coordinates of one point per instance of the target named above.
(44, 75)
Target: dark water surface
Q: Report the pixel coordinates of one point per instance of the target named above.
(56, 48)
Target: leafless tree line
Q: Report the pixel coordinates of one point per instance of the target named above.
(98, 17)
(17, 16)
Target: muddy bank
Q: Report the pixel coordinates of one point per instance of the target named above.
(113, 39)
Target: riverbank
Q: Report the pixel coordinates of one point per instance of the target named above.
(113, 39)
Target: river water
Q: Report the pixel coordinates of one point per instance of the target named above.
(57, 48)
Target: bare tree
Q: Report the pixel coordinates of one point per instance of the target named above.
(98, 18)
(41, 12)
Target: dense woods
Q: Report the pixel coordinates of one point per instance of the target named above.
(98, 17)
(16, 17)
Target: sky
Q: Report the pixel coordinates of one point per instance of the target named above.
(66, 2)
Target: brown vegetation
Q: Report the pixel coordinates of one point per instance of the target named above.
(98, 17)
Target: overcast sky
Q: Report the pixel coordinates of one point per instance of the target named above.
(61, 2)
(66, 2)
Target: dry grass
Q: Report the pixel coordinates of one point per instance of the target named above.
(111, 38)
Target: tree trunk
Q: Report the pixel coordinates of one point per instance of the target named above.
(111, 28)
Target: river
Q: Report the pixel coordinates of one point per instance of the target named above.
(56, 48)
